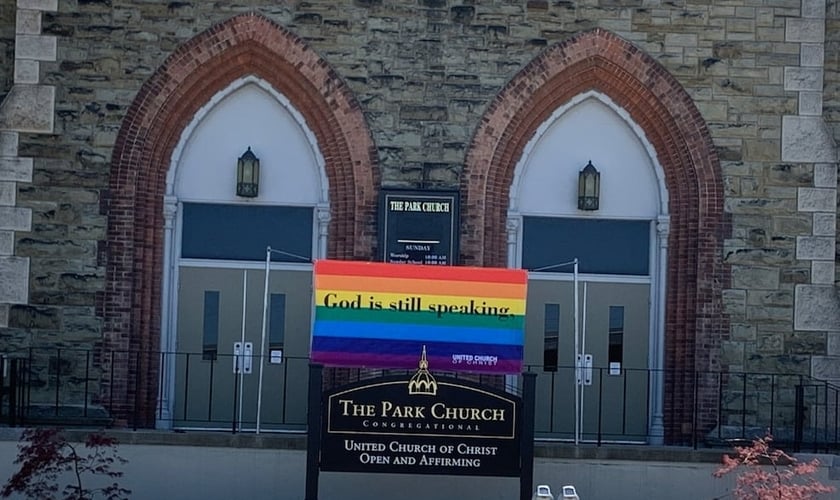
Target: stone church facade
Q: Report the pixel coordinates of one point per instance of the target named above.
(737, 103)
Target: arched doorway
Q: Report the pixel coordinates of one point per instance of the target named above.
(224, 358)
(598, 61)
(274, 62)
(594, 282)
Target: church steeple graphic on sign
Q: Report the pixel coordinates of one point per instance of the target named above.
(423, 382)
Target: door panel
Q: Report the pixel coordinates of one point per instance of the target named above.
(208, 393)
(614, 405)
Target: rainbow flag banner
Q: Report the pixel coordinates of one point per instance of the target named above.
(377, 315)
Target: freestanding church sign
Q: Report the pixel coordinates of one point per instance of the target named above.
(421, 425)
(419, 318)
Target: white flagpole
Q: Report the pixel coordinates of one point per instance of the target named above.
(240, 359)
(262, 339)
(577, 357)
(584, 368)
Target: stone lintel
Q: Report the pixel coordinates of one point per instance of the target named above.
(816, 200)
(45, 5)
(806, 139)
(29, 108)
(14, 280)
(16, 169)
(817, 308)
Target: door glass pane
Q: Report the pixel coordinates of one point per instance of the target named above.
(210, 333)
(551, 334)
(616, 334)
(548, 242)
(242, 232)
(277, 321)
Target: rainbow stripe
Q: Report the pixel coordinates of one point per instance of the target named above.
(377, 315)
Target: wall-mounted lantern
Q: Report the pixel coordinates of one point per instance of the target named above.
(248, 175)
(589, 187)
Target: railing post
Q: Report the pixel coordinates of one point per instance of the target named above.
(162, 376)
(694, 423)
(136, 389)
(210, 391)
(772, 402)
(836, 418)
(87, 381)
(186, 383)
(825, 417)
(799, 417)
(111, 383)
(57, 379)
(551, 401)
(744, 407)
(720, 404)
(236, 376)
(14, 392)
(4, 365)
(601, 403)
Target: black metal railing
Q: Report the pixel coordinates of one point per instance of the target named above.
(14, 390)
(196, 391)
(699, 409)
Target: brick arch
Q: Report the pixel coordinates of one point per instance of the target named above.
(601, 61)
(247, 44)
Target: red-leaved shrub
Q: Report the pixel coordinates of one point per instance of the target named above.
(46, 457)
(764, 473)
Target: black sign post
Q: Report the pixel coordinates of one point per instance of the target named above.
(313, 439)
(419, 227)
(529, 392)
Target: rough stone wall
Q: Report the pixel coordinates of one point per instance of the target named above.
(7, 47)
(424, 72)
(28, 107)
(831, 113)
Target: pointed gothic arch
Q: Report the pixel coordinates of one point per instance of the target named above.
(600, 61)
(243, 45)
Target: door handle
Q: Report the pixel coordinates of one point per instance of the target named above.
(583, 369)
(243, 355)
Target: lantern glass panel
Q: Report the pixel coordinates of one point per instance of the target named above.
(589, 187)
(247, 175)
